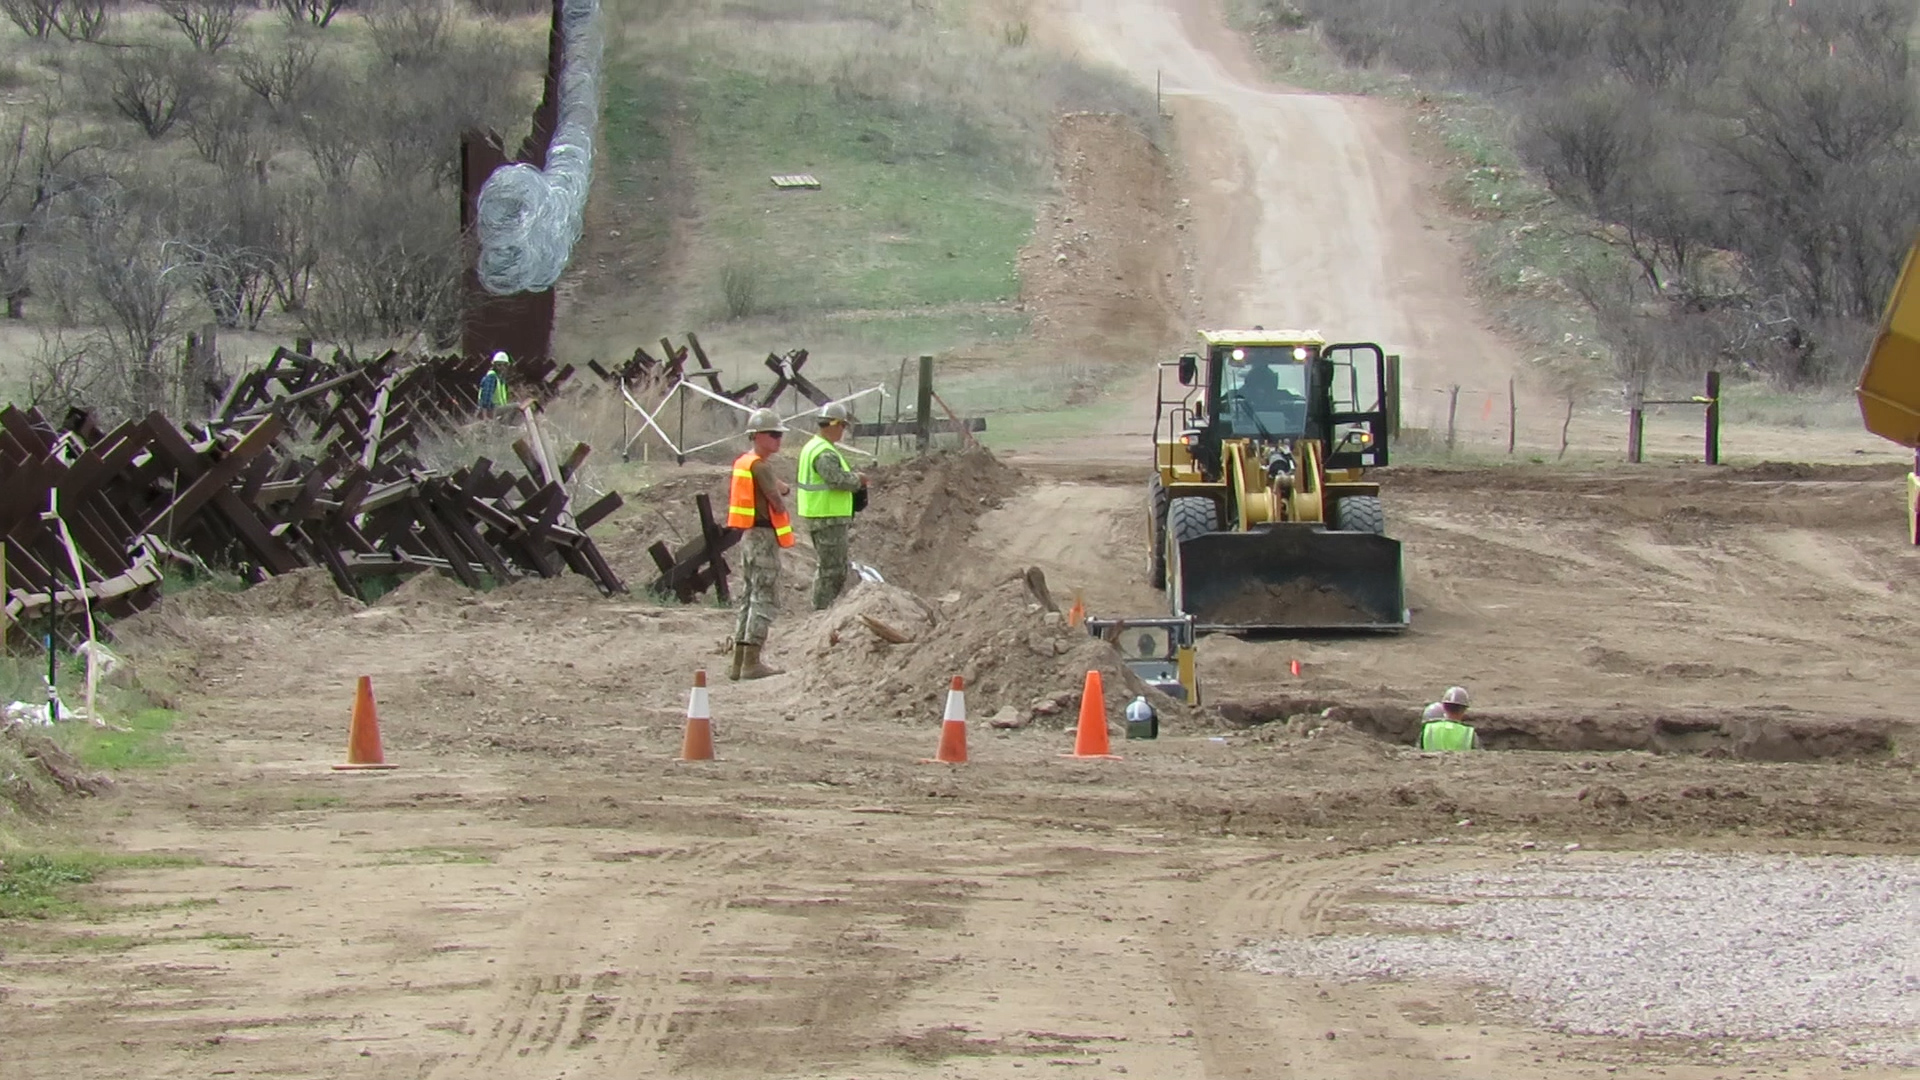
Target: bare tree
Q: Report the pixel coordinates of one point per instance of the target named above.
(59, 376)
(81, 20)
(139, 284)
(37, 171)
(393, 267)
(208, 24)
(318, 13)
(293, 245)
(154, 87)
(35, 18)
(407, 31)
(225, 129)
(1672, 43)
(284, 76)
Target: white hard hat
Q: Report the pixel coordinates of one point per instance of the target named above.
(834, 413)
(764, 420)
(501, 358)
(1455, 695)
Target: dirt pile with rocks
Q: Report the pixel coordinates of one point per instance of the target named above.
(922, 512)
(885, 653)
(36, 773)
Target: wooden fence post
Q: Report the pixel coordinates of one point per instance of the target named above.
(1636, 420)
(1392, 393)
(1713, 418)
(1453, 408)
(1513, 416)
(1565, 427)
(923, 405)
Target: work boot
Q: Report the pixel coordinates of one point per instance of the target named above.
(739, 653)
(752, 668)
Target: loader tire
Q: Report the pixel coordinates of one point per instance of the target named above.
(1186, 519)
(1156, 533)
(1360, 513)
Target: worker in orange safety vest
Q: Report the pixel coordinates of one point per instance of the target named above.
(756, 505)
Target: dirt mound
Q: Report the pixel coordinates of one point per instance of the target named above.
(922, 512)
(425, 590)
(1014, 655)
(306, 591)
(1295, 603)
(35, 773)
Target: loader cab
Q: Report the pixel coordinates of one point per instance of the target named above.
(1280, 388)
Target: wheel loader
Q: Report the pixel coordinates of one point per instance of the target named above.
(1889, 389)
(1260, 514)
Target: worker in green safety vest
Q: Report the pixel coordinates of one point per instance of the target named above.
(1442, 726)
(827, 489)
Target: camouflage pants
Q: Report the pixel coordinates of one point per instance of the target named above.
(759, 599)
(830, 536)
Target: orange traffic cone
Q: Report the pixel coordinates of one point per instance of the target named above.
(363, 736)
(697, 745)
(1076, 614)
(1091, 740)
(953, 729)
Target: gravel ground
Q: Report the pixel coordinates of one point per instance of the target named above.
(1687, 945)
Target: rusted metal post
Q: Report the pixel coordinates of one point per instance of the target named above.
(1636, 423)
(1453, 410)
(1713, 418)
(923, 404)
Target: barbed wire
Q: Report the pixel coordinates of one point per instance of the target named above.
(528, 220)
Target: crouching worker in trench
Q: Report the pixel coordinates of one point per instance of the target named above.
(1442, 726)
(827, 490)
(755, 505)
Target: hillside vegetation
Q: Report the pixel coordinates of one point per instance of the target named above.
(1735, 180)
(926, 122)
(289, 168)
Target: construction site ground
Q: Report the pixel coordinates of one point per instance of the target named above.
(1664, 657)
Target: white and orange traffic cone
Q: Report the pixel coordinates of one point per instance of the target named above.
(697, 744)
(953, 729)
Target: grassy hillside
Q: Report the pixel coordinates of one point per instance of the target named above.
(926, 123)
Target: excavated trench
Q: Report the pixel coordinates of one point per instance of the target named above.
(1743, 734)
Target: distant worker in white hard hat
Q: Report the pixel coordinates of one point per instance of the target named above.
(830, 493)
(493, 385)
(1443, 726)
(756, 505)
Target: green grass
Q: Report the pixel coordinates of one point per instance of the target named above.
(917, 206)
(143, 745)
(43, 885)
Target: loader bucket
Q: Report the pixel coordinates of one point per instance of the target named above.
(1290, 578)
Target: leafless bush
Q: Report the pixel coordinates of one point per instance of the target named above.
(1660, 44)
(138, 284)
(281, 77)
(229, 238)
(208, 24)
(510, 9)
(38, 171)
(391, 266)
(59, 376)
(293, 244)
(154, 87)
(318, 13)
(35, 18)
(225, 129)
(407, 31)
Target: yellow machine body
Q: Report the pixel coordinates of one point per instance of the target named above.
(1261, 513)
(1889, 389)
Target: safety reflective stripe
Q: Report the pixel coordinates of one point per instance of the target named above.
(818, 500)
(1445, 735)
(742, 500)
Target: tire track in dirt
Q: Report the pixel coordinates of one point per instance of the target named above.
(622, 1007)
(1331, 1032)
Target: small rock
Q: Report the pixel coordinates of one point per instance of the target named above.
(1571, 847)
